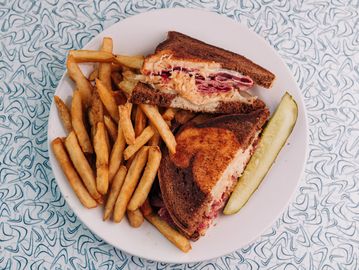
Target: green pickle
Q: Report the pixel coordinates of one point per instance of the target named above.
(273, 138)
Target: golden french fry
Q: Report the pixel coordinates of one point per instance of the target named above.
(83, 85)
(116, 77)
(169, 114)
(135, 218)
(155, 140)
(107, 99)
(171, 234)
(135, 61)
(104, 69)
(116, 153)
(114, 191)
(149, 175)
(102, 153)
(71, 174)
(160, 124)
(64, 113)
(78, 124)
(126, 123)
(91, 56)
(140, 121)
(95, 112)
(93, 75)
(129, 185)
(140, 141)
(111, 127)
(108, 142)
(82, 166)
(127, 86)
(183, 116)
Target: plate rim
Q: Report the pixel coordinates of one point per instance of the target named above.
(303, 111)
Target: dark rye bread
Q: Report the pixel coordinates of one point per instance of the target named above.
(187, 178)
(187, 48)
(145, 94)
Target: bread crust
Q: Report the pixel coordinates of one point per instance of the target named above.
(145, 94)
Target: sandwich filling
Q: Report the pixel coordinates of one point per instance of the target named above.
(198, 82)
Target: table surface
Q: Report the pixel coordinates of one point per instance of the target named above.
(319, 41)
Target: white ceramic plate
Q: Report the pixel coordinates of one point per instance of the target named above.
(139, 35)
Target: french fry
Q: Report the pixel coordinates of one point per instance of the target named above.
(149, 175)
(64, 113)
(155, 140)
(140, 121)
(160, 124)
(107, 99)
(116, 77)
(82, 166)
(95, 112)
(135, 218)
(130, 61)
(183, 116)
(104, 69)
(93, 75)
(83, 85)
(114, 191)
(111, 127)
(102, 153)
(78, 124)
(71, 174)
(116, 153)
(171, 234)
(163, 227)
(169, 114)
(131, 180)
(127, 86)
(91, 56)
(126, 123)
(140, 141)
(109, 146)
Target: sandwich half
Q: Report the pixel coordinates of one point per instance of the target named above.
(211, 154)
(189, 74)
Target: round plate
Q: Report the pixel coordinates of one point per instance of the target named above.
(139, 35)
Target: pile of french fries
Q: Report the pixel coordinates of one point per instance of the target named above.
(111, 153)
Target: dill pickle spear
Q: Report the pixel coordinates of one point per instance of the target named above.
(273, 138)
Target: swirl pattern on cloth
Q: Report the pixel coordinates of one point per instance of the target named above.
(319, 41)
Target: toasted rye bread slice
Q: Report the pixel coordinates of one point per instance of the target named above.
(145, 94)
(188, 178)
(186, 48)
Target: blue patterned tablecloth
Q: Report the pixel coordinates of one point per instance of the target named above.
(319, 40)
